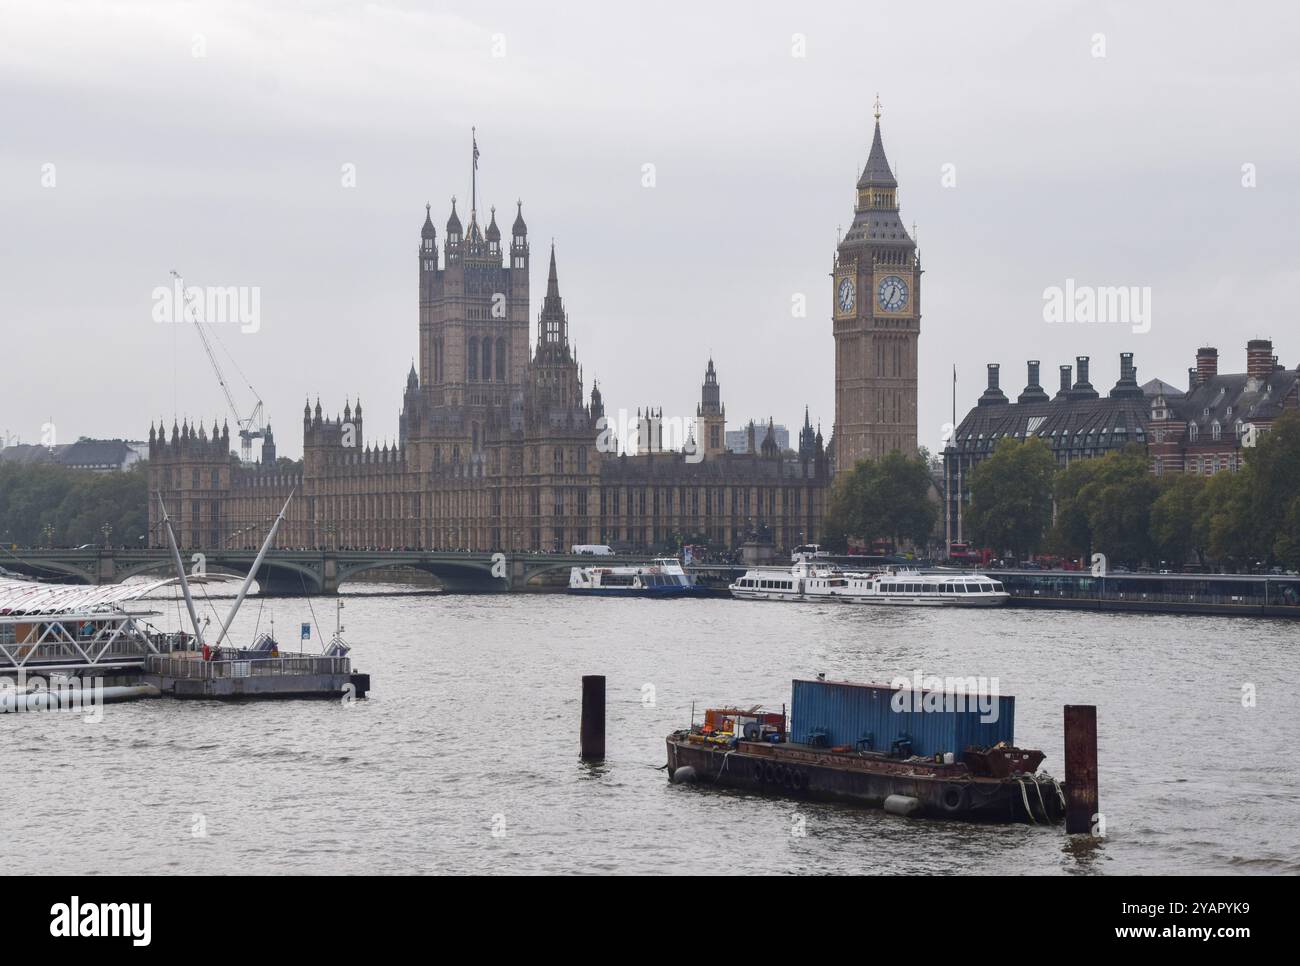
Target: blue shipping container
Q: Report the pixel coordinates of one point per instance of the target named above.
(845, 713)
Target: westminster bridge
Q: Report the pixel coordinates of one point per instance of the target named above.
(308, 572)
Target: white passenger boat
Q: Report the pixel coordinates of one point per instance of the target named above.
(913, 588)
(662, 577)
(809, 579)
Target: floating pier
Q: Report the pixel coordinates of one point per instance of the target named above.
(248, 674)
(69, 647)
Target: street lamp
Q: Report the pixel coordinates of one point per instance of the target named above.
(48, 530)
(107, 531)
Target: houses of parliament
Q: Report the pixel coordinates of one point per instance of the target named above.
(498, 439)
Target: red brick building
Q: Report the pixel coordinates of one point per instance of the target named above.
(1205, 429)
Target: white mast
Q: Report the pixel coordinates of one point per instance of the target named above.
(180, 570)
(248, 580)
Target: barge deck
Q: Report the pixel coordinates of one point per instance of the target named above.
(918, 787)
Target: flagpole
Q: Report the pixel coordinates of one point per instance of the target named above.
(473, 189)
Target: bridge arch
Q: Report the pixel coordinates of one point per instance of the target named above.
(467, 576)
(51, 567)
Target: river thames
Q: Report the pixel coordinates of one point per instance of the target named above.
(465, 756)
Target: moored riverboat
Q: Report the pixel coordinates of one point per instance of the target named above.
(876, 746)
(810, 578)
(662, 577)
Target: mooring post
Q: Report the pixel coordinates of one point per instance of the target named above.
(1080, 768)
(593, 717)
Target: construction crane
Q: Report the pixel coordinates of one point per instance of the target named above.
(250, 426)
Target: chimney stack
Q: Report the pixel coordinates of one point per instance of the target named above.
(1127, 387)
(1260, 361)
(1191, 378)
(1066, 381)
(993, 395)
(1207, 364)
(1082, 387)
(1033, 391)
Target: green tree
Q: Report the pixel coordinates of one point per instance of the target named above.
(1273, 468)
(884, 499)
(1177, 519)
(1011, 497)
(74, 504)
(1226, 519)
(1104, 505)
(1071, 535)
(1287, 542)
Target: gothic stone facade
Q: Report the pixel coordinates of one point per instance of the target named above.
(498, 446)
(877, 321)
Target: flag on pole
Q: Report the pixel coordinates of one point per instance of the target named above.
(474, 137)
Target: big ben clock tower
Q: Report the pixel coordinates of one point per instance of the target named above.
(877, 319)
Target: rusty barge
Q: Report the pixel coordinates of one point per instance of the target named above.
(912, 752)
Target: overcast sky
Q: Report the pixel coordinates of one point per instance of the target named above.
(1122, 169)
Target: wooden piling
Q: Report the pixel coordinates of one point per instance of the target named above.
(1081, 803)
(593, 717)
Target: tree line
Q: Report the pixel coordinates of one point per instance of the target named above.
(886, 500)
(42, 503)
(1022, 503)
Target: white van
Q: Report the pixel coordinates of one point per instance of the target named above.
(592, 549)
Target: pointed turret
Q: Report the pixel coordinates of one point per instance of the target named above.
(807, 438)
(453, 223)
(519, 239)
(770, 446)
(877, 173)
(474, 235)
(493, 232)
(427, 232)
(268, 447)
(553, 324)
(454, 233)
(876, 221)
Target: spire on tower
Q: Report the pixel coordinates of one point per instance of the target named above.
(553, 324)
(453, 223)
(877, 173)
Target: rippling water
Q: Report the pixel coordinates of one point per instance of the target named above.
(472, 728)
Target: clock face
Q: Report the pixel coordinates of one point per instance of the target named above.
(846, 295)
(892, 293)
